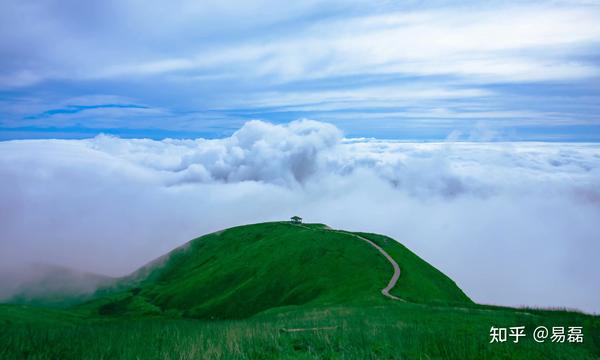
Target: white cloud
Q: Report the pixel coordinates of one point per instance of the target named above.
(360, 97)
(532, 64)
(512, 223)
(508, 42)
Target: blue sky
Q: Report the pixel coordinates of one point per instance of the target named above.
(425, 70)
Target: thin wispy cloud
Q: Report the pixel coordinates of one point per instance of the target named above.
(510, 44)
(327, 60)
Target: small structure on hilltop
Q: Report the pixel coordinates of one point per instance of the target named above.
(296, 219)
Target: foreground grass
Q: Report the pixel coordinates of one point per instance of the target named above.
(391, 331)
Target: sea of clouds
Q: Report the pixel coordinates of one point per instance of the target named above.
(511, 223)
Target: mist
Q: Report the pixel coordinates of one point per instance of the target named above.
(512, 223)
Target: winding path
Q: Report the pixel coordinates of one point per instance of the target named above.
(386, 290)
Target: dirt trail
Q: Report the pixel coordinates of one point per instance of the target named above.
(386, 290)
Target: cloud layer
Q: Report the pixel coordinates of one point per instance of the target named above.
(509, 41)
(512, 223)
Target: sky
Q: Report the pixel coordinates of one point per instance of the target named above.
(417, 70)
(467, 130)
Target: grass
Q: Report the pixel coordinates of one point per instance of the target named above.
(391, 331)
(420, 282)
(248, 269)
(231, 295)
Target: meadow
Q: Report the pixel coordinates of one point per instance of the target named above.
(279, 291)
(388, 331)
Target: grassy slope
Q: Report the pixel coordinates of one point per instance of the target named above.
(318, 279)
(419, 281)
(241, 271)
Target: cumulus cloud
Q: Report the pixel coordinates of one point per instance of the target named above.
(264, 152)
(512, 223)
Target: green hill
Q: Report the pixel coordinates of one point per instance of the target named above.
(241, 271)
(284, 291)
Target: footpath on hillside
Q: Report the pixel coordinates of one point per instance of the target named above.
(386, 290)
